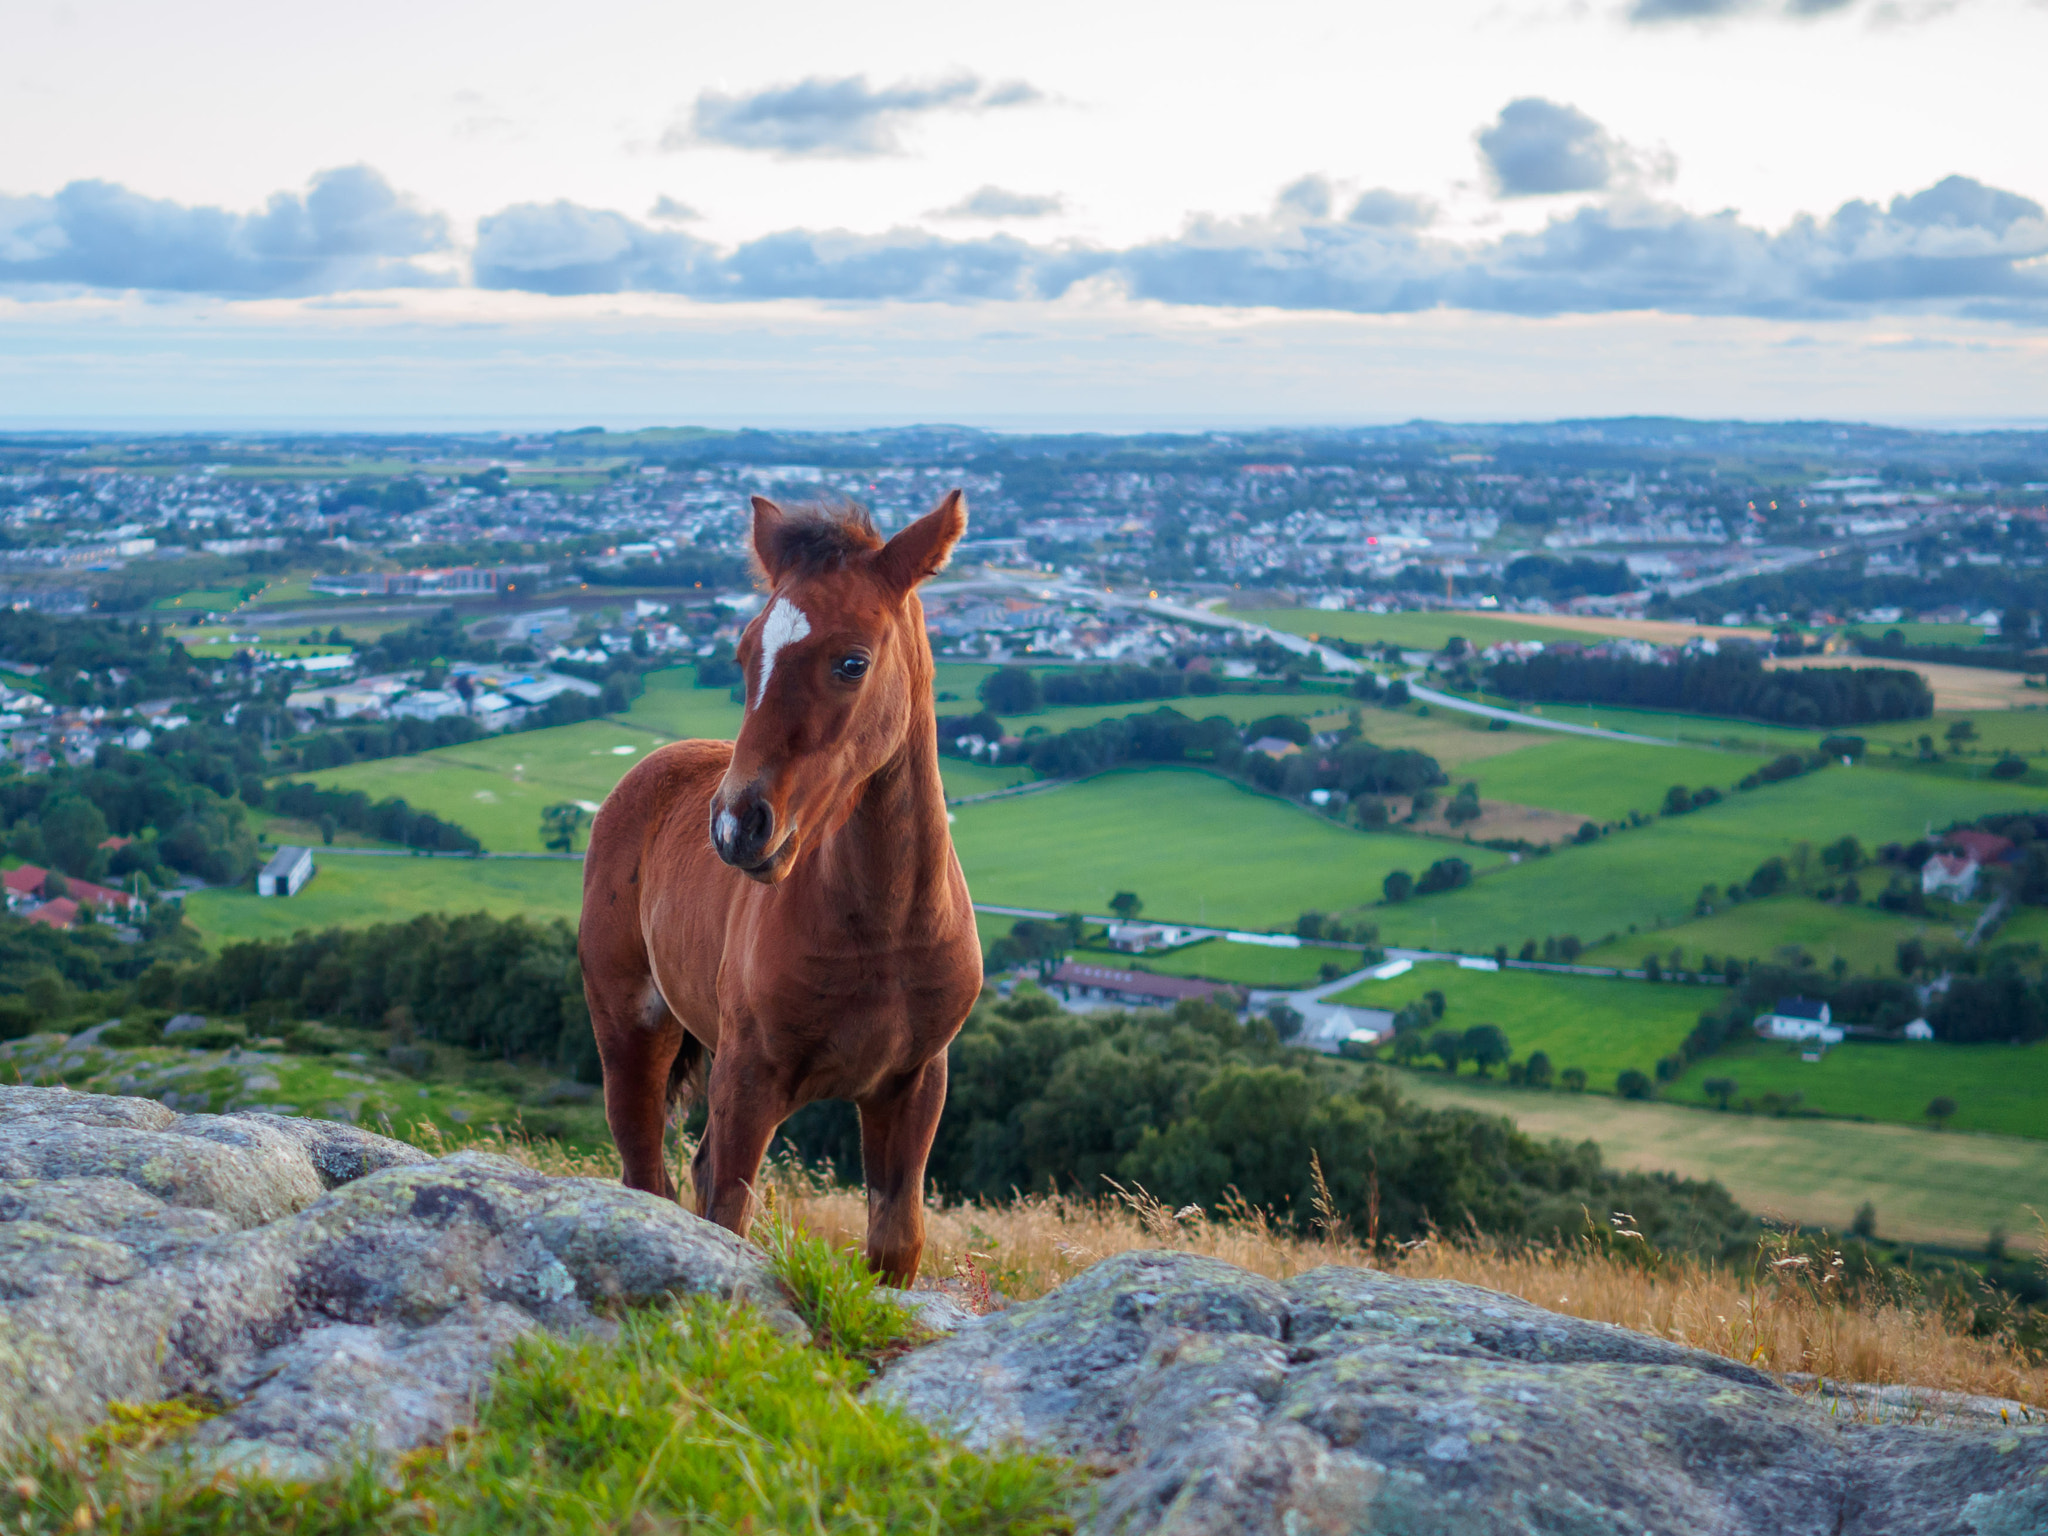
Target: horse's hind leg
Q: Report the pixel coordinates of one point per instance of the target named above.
(639, 1041)
(896, 1130)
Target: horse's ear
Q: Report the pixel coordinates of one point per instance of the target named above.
(923, 548)
(769, 522)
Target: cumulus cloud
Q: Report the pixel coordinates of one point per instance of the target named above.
(349, 229)
(1392, 210)
(1000, 203)
(1536, 147)
(1959, 247)
(845, 117)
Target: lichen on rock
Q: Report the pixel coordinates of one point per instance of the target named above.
(337, 1292)
(1348, 1400)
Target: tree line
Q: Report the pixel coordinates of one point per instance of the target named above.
(1731, 682)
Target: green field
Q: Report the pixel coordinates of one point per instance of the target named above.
(355, 892)
(1671, 725)
(1600, 1025)
(2024, 731)
(676, 707)
(1866, 939)
(2001, 1088)
(1927, 1186)
(215, 599)
(498, 787)
(1246, 965)
(1195, 847)
(1604, 780)
(1410, 631)
(1648, 879)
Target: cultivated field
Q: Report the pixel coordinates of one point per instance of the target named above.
(1600, 1025)
(355, 892)
(1927, 1186)
(1195, 847)
(1779, 927)
(2002, 1088)
(1409, 631)
(1603, 780)
(1248, 965)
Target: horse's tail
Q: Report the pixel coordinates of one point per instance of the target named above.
(688, 1075)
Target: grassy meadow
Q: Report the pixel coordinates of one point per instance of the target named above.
(355, 892)
(1927, 1186)
(1197, 848)
(1601, 1025)
(1246, 965)
(1602, 780)
(1410, 631)
(1864, 939)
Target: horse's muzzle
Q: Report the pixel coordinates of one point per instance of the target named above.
(745, 835)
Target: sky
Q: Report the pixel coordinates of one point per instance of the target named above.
(445, 213)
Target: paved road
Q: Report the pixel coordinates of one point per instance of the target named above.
(1433, 697)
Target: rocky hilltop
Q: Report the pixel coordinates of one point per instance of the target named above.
(341, 1290)
(342, 1294)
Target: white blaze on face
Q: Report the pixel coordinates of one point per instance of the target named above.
(785, 624)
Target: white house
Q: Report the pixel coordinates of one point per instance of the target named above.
(288, 869)
(1919, 1029)
(1136, 938)
(1949, 874)
(1800, 1018)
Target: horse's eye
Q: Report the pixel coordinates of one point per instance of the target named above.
(852, 668)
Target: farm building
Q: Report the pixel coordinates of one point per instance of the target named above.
(1136, 938)
(1800, 1018)
(288, 869)
(1949, 874)
(1135, 989)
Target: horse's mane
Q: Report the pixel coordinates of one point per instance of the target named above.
(816, 537)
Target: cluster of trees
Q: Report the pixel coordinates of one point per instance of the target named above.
(363, 741)
(1732, 682)
(1443, 875)
(1678, 799)
(77, 655)
(1322, 928)
(1892, 645)
(391, 820)
(48, 974)
(62, 819)
(1196, 1107)
(507, 987)
(1371, 688)
(1548, 576)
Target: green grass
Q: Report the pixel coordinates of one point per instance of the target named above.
(964, 778)
(1410, 631)
(1604, 780)
(1998, 1088)
(1196, 848)
(1603, 1026)
(1246, 965)
(1672, 725)
(2024, 731)
(1927, 1187)
(1649, 879)
(221, 650)
(217, 599)
(1866, 939)
(696, 1416)
(673, 705)
(356, 892)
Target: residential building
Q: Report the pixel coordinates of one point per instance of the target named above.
(1800, 1018)
(1949, 874)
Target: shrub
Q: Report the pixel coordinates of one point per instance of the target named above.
(1631, 1084)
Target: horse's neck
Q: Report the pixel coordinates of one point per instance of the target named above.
(893, 853)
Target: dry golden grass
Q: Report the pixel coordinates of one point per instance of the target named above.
(1790, 1312)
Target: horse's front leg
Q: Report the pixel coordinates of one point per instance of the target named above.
(897, 1124)
(747, 1105)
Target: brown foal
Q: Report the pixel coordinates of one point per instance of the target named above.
(787, 907)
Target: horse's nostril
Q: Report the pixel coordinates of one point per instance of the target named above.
(757, 824)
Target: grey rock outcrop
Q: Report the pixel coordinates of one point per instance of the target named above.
(1347, 1400)
(337, 1291)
